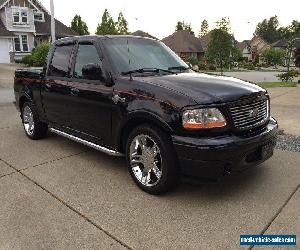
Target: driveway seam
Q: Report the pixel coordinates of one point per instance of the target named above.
(2, 176)
(51, 161)
(71, 208)
(278, 212)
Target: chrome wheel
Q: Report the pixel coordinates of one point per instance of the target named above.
(28, 120)
(145, 160)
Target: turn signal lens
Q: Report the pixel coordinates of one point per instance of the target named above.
(203, 118)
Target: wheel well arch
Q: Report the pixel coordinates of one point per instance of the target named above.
(137, 121)
(22, 100)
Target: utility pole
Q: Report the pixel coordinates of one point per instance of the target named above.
(52, 22)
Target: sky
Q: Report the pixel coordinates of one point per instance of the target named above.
(159, 17)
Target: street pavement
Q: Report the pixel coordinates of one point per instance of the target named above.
(57, 194)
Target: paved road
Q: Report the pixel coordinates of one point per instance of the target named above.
(256, 76)
(57, 194)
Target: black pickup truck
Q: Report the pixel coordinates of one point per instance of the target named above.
(133, 96)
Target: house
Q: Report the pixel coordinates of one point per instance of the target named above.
(245, 48)
(184, 44)
(143, 34)
(258, 46)
(23, 25)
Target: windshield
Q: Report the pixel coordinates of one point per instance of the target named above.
(129, 54)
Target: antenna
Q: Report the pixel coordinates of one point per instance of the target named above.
(129, 59)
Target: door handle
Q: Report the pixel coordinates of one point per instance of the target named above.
(75, 91)
(116, 99)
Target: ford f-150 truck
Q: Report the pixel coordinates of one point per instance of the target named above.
(133, 96)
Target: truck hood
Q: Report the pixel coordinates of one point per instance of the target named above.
(203, 88)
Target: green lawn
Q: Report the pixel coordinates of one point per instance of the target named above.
(276, 84)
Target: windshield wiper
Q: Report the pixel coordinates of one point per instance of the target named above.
(180, 68)
(147, 70)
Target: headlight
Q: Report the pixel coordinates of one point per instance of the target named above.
(203, 118)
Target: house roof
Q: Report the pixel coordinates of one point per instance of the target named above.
(3, 31)
(143, 34)
(283, 43)
(183, 41)
(61, 30)
(242, 45)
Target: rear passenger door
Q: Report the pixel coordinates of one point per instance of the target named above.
(90, 100)
(55, 90)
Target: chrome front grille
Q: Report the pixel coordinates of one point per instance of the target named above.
(251, 114)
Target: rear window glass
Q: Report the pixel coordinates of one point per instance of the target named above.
(60, 62)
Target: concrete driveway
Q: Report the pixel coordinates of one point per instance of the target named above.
(57, 194)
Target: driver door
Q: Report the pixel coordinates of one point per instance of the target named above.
(89, 100)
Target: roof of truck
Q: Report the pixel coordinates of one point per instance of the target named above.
(94, 37)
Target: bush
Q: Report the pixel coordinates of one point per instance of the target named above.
(249, 66)
(38, 56)
(212, 67)
(288, 76)
(202, 65)
(193, 61)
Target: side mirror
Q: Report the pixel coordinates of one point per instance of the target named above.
(92, 71)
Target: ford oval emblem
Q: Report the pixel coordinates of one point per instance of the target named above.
(253, 113)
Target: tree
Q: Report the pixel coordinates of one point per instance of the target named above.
(107, 25)
(268, 30)
(220, 48)
(224, 24)
(273, 56)
(204, 28)
(179, 26)
(79, 26)
(184, 26)
(122, 25)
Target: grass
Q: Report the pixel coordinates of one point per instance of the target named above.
(276, 84)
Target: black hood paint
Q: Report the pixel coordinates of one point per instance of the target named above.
(203, 88)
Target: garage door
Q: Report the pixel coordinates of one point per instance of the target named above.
(4, 51)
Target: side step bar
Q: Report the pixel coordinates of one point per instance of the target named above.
(87, 143)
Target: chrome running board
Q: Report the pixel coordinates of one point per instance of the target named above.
(87, 143)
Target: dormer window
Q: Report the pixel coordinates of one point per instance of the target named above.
(39, 16)
(20, 16)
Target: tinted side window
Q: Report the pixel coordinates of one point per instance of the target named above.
(87, 53)
(60, 61)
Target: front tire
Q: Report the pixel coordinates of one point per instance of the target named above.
(150, 160)
(34, 129)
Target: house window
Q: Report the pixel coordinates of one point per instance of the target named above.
(20, 16)
(17, 44)
(39, 16)
(16, 16)
(21, 43)
(25, 43)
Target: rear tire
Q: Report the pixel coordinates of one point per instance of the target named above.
(151, 160)
(34, 129)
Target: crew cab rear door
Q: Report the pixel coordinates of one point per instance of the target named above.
(55, 90)
(90, 100)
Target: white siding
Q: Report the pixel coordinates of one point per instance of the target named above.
(11, 27)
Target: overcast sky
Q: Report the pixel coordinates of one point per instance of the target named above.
(159, 17)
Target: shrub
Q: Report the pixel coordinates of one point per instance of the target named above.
(201, 65)
(249, 66)
(38, 56)
(193, 61)
(212, 67)
(288, 76)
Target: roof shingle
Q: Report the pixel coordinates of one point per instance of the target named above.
(183, 41)
(4, 31)
(61, 30)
